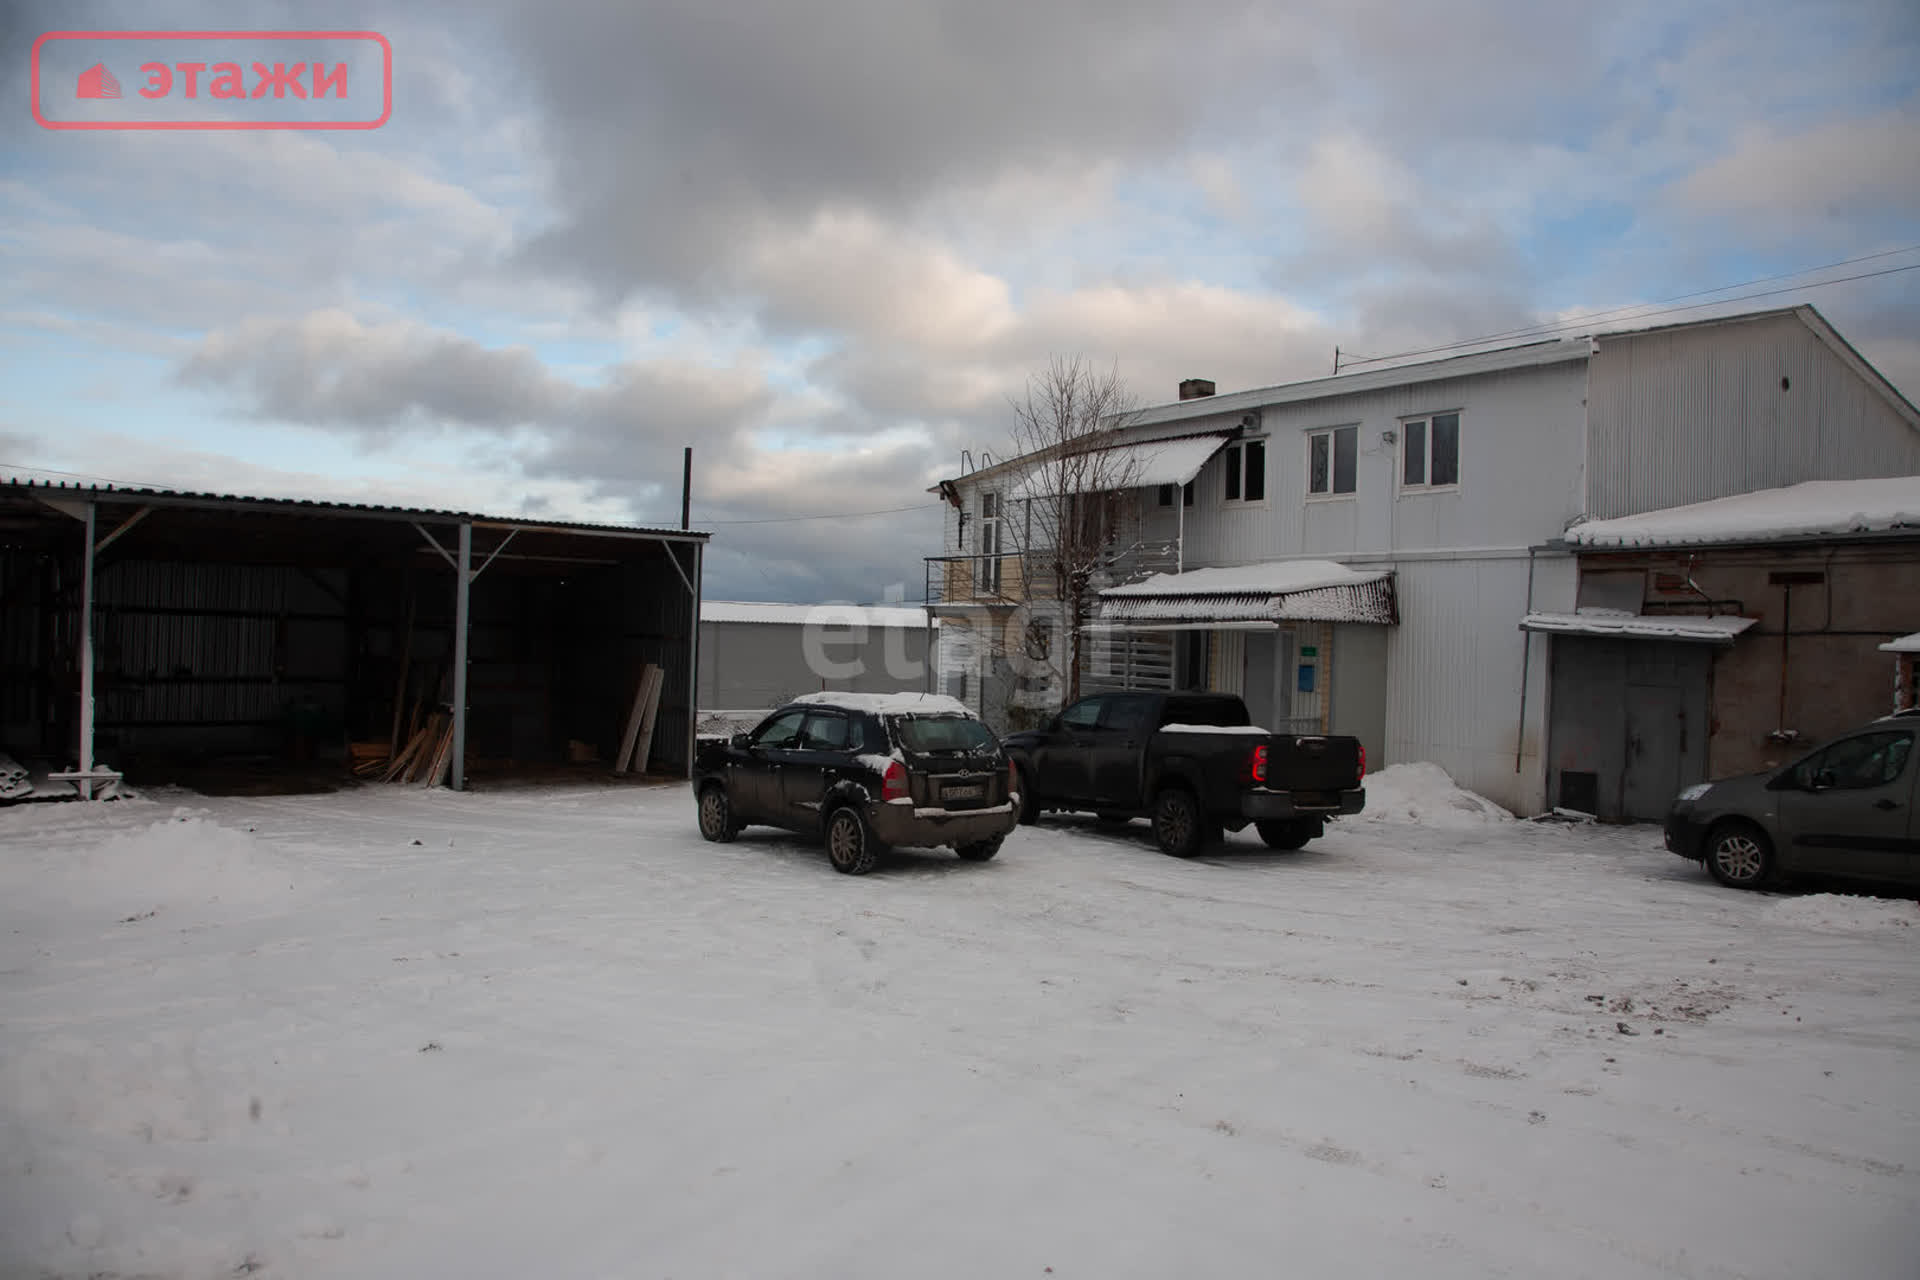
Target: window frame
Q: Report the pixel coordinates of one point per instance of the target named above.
(1331, 434)
(1425, 421)
(1234, 492)
(759, 738)
(987, 575)
(1186, 494)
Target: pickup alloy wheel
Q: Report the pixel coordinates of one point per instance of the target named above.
(1176, 823)
(1286, 833)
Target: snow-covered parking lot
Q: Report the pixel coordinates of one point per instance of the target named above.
(553, 1033)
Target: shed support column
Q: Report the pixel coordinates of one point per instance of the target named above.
(86, 664)
(693, 653)
(463, 579)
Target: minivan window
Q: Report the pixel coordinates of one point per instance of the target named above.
(944, 733)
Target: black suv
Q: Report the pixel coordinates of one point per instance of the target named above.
(863, 771)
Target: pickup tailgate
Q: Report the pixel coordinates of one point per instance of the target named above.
(1312, 767)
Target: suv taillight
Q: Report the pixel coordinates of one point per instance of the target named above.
(1363, 762)
(893, 783)
(1259, 766)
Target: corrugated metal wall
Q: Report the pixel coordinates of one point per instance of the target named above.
(1520, 460)
(1694, 414)
(754, 665)
(1454, 672)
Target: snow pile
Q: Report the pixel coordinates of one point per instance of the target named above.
(887, 704)
(1271, 578)
(1253, 729)
(1844, 913)
(1803, 510)
(1424, 794)
(185, 860)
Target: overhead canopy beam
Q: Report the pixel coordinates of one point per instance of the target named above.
(125, 525)
(675, 561)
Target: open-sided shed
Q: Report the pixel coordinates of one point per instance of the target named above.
(146, 627)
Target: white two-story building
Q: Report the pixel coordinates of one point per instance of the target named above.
(1358, 554)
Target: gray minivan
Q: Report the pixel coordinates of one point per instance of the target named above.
(1846, 809)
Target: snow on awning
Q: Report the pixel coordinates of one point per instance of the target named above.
(1148, 464)
(1285, 591)
(1621, 625)
(1816, 509)
(1905, 644)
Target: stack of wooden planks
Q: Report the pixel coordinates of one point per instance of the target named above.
(428, 756)
(636, 747)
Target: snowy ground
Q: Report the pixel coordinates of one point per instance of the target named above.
(391, 1033)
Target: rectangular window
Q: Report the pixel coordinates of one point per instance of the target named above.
(1166, 495)
(1246, 464)
(987, 575)
(1430, 452)
(1333, 461)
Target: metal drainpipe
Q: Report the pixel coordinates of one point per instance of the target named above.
(1526, 662)
(1786, 634)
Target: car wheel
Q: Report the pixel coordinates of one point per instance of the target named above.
(716, 815)
(1284, 833)
(851, 845)
(1029, 800)
(1740, 855)
(982, 851)
(1177, 824)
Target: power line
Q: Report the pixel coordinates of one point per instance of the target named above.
(1641, 310)
(827, 515)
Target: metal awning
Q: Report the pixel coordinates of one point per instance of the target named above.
(1148, 464)
(1621, 625)
(1284, 591)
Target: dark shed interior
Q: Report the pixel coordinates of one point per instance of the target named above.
(230, 629)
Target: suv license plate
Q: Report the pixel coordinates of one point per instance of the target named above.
(975, 792)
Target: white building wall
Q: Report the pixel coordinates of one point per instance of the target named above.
(1692, 414)
(1521, 456)
(1455, 668)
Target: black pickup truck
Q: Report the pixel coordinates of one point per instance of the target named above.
(1194, 763)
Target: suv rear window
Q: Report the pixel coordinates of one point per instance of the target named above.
(944, 733)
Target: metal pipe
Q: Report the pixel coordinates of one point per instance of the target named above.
(1526, 663)
(463, 586)
(693, 655)
(86, 664)
(686, 491)
(1786, 632)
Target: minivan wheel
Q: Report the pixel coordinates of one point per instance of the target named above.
(1176, 823)
(716, 815)
(851, 845)
(1740, 855)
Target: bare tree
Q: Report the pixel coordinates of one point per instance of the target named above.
(1068, 519)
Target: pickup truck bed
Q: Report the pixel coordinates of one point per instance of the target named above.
(1194, 764)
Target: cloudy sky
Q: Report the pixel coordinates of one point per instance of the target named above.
(824, 242)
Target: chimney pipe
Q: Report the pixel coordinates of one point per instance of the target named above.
(1195, 388)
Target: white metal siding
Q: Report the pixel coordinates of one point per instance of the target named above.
(1454, 672)
(1520, 461)
(1693, 414)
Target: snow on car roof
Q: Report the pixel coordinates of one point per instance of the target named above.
(1817, 508)
(886, 704)
(1905, 644)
